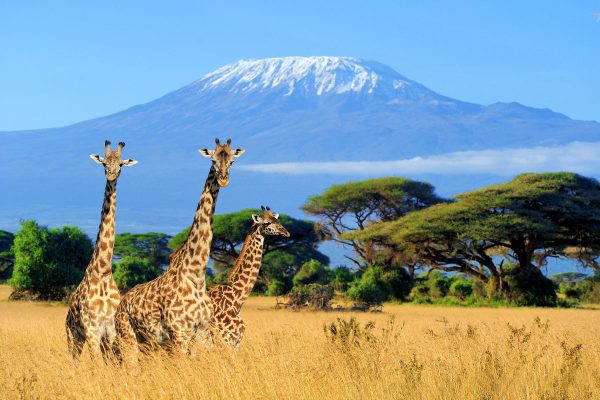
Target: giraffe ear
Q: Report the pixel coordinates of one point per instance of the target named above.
(276, 216)
(97, 158)
(129, 163)
(206, 152)
(238, 152)
(256, 219)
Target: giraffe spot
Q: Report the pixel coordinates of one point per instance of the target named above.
(98, 303)
(103, 246)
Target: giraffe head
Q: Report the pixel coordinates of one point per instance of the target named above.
(222, 157)
(268, 224)
(112, 160)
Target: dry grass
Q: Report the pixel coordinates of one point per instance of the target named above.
(429, 352)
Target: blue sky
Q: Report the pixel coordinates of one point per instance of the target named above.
(63, 61)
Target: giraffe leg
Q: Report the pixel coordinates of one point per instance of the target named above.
(108, 345)
(94, 342)
(233, 334)
(75, 339)
(125, 345)
(180, 343)
(75, 343)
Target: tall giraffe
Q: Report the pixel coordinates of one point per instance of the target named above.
(92, 305)
(227, 325)
(172, 309)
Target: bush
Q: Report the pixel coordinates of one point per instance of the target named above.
(312, 272)
(369, 289)
(439, 284)
(529, 288)
(7, 258)
(48, 261)
(461, 288)
(589, 289)
(313, 295)
(398, 282)
(133, 270)
(277, 288)
(342, 276)
(431, 285)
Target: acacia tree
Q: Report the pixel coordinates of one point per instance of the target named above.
(282, 257)
(151, 246)
(502, 234)
(354, 206)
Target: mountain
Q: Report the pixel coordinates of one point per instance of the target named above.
(288, 109)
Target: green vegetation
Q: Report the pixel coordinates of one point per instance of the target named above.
(7, 258)
(49, 260)
(487, 246)
(282, 257)
(355, 205)
(133, 270)
(153, 247)
(502, 235)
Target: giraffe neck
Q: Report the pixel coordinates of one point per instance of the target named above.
(244, 273)
(193, 255)
(101, 263)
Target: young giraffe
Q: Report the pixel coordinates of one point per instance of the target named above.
(92, 305)
(172, 309)
(227, 324)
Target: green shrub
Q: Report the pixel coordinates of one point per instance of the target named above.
(369, 289)
(133, 270)
(47, 261)
(342, 276)
(432, 285)
(462, 288)
(312, 272)
(7, 258)
(529, 288)
(277, 288)
(398, 282)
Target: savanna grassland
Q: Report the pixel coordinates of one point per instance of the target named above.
(412, 352)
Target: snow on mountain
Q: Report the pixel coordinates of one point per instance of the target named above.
(311, 76)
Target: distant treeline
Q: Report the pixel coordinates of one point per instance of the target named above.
(407, 244)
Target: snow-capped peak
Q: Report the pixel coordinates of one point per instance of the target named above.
(310, 75)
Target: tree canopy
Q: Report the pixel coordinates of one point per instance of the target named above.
(151, 246)
(47, 260)
(357, 205)
(515, 225)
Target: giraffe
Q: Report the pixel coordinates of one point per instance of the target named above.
(92, 305)
(171, 310)
(227, 324)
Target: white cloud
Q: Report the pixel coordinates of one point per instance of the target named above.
(578, 157)
(597, 16)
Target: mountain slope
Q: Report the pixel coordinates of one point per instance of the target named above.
(279, 109)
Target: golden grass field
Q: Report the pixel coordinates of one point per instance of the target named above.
(426, 352)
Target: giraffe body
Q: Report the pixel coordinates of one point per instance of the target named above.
(93, 304)
(173, 309)
(227, 325)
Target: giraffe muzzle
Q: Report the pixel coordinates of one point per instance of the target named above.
(223, 180)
